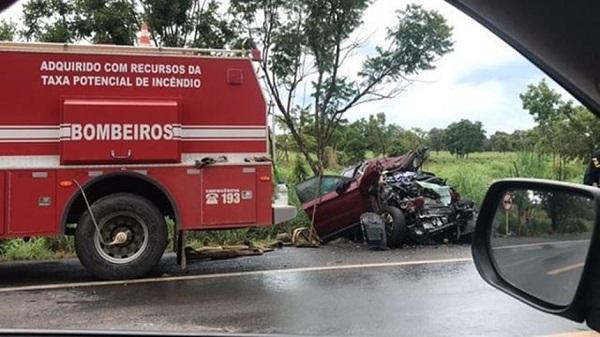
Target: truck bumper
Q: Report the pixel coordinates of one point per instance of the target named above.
(282, 213)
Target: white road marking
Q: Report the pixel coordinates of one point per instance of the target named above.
(566, 268)
(575, 334)
(566, 243)
(225, 275)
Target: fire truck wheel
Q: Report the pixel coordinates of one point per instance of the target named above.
(395, 226)
(131, 240)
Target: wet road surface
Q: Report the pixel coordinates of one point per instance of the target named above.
(339, 289)
(542, 268)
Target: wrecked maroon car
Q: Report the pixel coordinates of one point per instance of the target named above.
(416, 206)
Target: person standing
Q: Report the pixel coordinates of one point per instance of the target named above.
(592, 173)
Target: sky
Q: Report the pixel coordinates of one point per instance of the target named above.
(480, 80)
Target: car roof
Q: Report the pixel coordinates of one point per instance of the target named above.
(558, 36)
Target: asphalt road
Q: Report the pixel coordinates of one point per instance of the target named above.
(550, 270)
(338, 289)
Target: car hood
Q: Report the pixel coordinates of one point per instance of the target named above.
(394, 162)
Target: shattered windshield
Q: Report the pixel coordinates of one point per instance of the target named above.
(349, 172)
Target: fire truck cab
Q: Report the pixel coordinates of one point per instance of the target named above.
(106, 142)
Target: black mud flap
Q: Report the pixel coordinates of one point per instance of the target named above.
(373, 227)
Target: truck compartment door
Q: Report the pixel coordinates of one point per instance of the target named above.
(119, 131)
(229, 195)
(31, 202)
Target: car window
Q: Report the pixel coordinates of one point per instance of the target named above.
(307, 190)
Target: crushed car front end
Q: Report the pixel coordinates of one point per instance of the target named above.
(418, 207)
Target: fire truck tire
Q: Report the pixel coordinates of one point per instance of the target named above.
(395, 226)
(117, 255)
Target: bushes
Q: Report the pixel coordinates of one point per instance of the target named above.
(531, 165)
(37, 248)
(470, 184)
(471, 177)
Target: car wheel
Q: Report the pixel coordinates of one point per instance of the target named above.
(395, 226)
(131, 239)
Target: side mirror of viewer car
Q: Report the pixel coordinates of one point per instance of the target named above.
(536, 240)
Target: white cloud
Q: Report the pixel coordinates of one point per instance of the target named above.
(441, 103)
(474, 45)
(443, 97)
(13, 12)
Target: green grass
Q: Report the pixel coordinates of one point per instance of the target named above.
(45, 248)
(471, 177)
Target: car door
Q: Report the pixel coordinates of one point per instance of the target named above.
(335, 212)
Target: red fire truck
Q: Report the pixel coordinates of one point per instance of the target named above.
(105, 142)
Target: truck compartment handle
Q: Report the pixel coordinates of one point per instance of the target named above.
(114, 155)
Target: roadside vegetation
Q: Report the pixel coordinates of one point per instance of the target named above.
(470, 176)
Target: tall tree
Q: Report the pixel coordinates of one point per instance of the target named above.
(106, 22)
(523, 140)
(403, 141)
(564, 130)
(172, 23)
(552, 114)
(501, 142)
(354, 146)
(351, 141)
(8, 30)
(192, 23)
(306, 43)
(586, 132)
(465, 137)
(377, 134)
(49, 21)
(436, 139)
(98, 21)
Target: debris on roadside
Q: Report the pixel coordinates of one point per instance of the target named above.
(284, 238)
(305, 237)
(340, 241)
(228, 252)
(300, 237)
